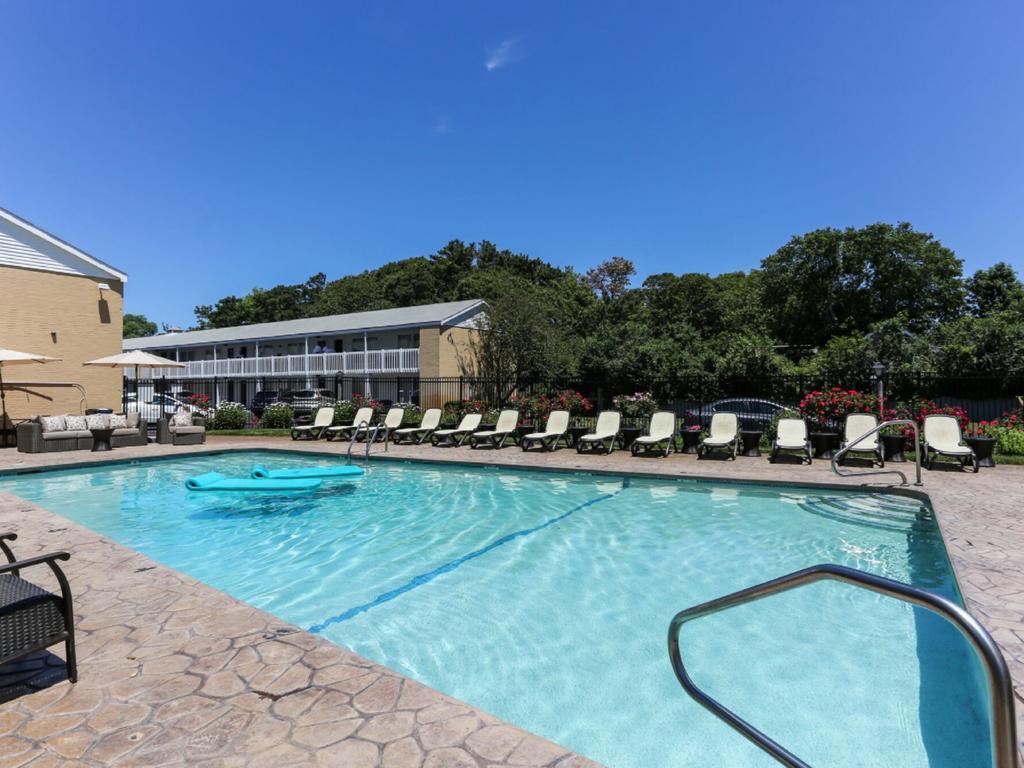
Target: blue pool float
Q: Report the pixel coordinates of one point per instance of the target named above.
(215, 481)
(347, 470)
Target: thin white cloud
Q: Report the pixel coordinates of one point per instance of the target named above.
(502, 55)
(443, 125)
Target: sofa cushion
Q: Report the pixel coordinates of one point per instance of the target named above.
(133, 419)
(52, 423)
(190, 430)
(66, 434)
(75, 423)
(125, 431)
(98, 421)
(182, 419)
(118, 421)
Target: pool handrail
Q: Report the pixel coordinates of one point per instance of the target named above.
(892, 422)
(1000, 685)
(355, 434)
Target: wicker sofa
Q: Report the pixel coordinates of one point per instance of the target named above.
(47, 434)
(181, 434)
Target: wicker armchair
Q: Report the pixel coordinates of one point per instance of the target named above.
(30, 617)
(168, 433)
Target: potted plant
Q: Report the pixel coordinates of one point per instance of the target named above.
(691, 436)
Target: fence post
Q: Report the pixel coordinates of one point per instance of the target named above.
(462, 391)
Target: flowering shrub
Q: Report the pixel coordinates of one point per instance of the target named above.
(920, 407)
(345, 410)
(453, 410)
(413, 414)
(230, 416)
(278, 416)
(537, 408)
(1007, 431)
(201, 403)
(639, 405)
(828, 409)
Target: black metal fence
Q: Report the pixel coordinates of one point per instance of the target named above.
(692, 398)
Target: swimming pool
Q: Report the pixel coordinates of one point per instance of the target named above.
(545, 598)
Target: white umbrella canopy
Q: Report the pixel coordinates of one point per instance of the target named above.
(135, 359)
(14, 357)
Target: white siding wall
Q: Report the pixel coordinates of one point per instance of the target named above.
(19, 248)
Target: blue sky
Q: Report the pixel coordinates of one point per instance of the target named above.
(209, 147)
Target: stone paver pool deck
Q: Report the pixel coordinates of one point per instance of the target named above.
(174, 672)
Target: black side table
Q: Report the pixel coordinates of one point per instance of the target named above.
(824, 444)
(691, 440)
(575, 433)
(893, 447)
(751, 442)
(101, 439)
(983, 447)
(628, 435)
(523, 430)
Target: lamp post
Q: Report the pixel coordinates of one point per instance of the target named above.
(877, 376)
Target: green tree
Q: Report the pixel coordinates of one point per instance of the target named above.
(136, 326)
(993, 290)
(834, 282)
(519, 338)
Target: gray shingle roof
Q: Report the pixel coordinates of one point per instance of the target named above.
(424, 315)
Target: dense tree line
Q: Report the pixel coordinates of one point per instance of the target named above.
(829, 300)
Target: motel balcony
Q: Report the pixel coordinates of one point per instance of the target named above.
(374, 361)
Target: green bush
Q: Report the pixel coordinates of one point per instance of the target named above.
(1009, 442)
(413, 414)
(230, 416)
(278, 416)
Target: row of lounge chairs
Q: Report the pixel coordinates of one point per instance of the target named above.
(942, 434)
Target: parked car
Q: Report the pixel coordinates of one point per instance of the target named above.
(305, 401)
(157, 406)
(262, 400)
(752, 412)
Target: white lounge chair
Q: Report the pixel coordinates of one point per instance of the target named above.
(942, 437)
(503, 430)
(556, 429)
(469, 424)
(314, 431)
(604, 435)
(431, 420)
(659, 435)
(792, 436)
(363, 415)
(392, 421)
(858, 424)
(723, 433)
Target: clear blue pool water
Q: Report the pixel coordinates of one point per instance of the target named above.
(545, 599)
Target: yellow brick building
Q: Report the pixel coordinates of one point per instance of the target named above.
(59, 301)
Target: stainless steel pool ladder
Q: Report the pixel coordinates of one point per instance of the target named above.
(371, 437)
(903, 478)
(1000, 686)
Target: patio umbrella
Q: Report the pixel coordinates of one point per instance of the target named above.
(13, 357)
(135, 359)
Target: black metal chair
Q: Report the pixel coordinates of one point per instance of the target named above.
(30, 617)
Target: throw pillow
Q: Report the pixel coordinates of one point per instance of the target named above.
(182, 419)
(52, 423)
(118, 421)
(75, 423)
(133, 419)
(97, 421)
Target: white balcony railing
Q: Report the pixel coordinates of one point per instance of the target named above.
(375, 361)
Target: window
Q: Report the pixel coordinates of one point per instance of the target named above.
(408, 341)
